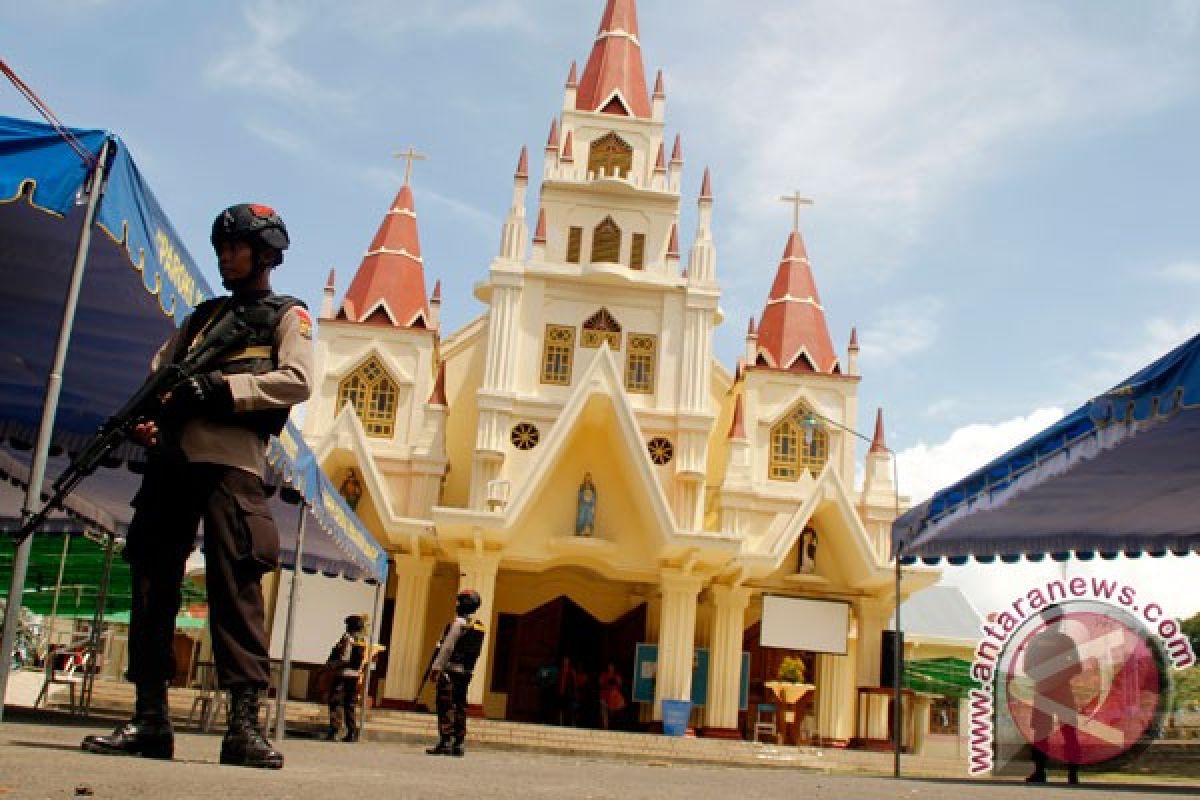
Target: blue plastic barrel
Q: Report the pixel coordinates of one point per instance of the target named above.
(675, 716)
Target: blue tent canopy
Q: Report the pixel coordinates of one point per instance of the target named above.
(139, 283)
(1117, 475)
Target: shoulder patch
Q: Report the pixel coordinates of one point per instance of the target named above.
(305, 321)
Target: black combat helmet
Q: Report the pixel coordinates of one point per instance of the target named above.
(467, 602)
(254, 223)
(355, 623)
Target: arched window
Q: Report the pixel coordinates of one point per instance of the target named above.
(601, 327)
(374, 395)
(796, 447)
(606, 242)
(610, 155)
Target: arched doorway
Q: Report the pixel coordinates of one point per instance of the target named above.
(528, 643)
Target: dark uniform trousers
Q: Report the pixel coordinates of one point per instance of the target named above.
(343, 697)
(451, 704)
(241, 543)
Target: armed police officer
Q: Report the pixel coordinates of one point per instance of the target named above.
(346, 659)
(453, 663)
(206, 460)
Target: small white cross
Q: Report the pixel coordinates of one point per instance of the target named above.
(797, 200)
(409, 157)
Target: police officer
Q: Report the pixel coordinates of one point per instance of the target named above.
(206, 460)
(457, 652)
(346, 659)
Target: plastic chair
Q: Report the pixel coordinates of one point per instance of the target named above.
(52, 677)
(766, 721)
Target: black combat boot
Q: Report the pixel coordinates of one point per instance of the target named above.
(331, 734)
(148, 734)
(456, 749)
(442, 748)
(244, 745)
(351, 726)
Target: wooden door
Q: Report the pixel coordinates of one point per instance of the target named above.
(535, 644)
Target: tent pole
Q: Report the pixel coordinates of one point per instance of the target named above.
(285, 668)
(89, 675)
(375, 630)
(41, 453)
(62, 564)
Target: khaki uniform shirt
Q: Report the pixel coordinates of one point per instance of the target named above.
(207, 442)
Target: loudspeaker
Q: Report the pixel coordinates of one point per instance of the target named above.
(887, 669)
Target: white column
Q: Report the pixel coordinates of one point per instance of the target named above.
(478, 571)
(725, 655)
(676, 637)
(837, 696)
(406, 655)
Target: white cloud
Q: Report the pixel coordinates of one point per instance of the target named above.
(260, 64)
(1183, 272)
(1158, 336)
(923, 468)
(886, 113)
(901, 330)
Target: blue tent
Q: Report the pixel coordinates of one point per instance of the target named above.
(140, 281)
(1118, 475)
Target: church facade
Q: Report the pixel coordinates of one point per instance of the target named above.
(576, 453)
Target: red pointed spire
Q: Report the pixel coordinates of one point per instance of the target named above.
(567, 151)
(552, 140)
(614, 67)
(572, 79)
(436, 297)
(737, 430)
(750, 331)
(792, 329)
(523, 163)
(438, 396)
(878, 445)
(660, 163)
(658, 85)
(854, 338)
(706, 186)
(677, 151)
(539, 233)
(329, 282)
(673, 242)
(392, 274)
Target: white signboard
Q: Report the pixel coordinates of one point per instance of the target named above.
(321, 610)
(794, 623)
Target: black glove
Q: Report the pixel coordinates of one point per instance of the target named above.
(206, 395)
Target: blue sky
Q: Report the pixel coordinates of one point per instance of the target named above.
(1006, 193)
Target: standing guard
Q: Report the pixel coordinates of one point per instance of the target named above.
(347, 659)
(206, 459)
(457, 652)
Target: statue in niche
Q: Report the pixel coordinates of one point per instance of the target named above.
(585, 515)
(351, 490)
(808, 551)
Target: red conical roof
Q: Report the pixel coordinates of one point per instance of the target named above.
(615, 65)
(854, 338)
(660, 162)
(438, 396)
(329, 282)
(673, 242)
(391, 272)
(552, 141)
(539, 233)
(677, 150)
(706, 186)
(568, 152)
(878, 445)
(523, 163)
(792, 329)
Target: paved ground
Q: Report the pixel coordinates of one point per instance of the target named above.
(44, 761)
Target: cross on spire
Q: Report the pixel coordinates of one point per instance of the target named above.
(409, 157)
(797, 200)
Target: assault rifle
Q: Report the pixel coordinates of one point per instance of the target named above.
(229, 332)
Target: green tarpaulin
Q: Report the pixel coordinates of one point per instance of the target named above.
(81, 578)
(949, 677)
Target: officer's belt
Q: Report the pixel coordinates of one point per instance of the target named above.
(246, 353)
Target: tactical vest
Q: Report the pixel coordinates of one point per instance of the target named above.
(263, 314)
(468, 646)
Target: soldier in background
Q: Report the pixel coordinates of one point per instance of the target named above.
(346, 659)
(457, 652)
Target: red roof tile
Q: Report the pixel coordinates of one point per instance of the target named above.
(391, 272)
(615, 64)
(792, 331)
